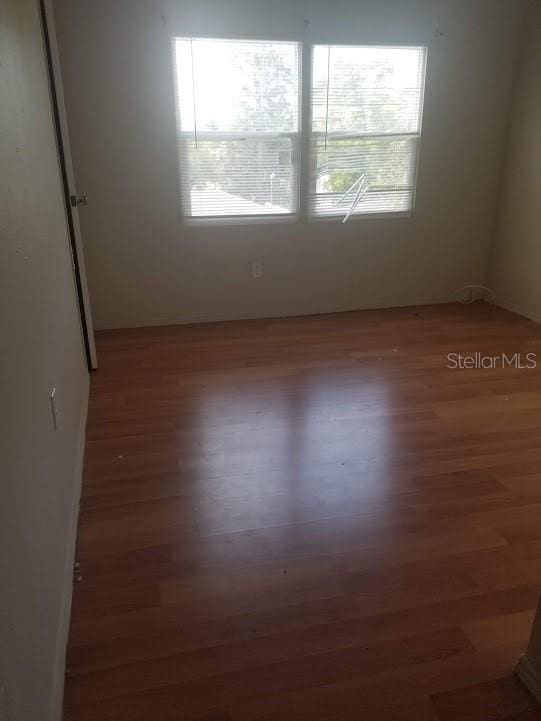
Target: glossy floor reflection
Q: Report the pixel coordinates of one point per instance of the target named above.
(309, 519)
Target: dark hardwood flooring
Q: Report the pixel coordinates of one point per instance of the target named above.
(309, 519)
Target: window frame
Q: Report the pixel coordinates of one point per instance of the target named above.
(295, 137)
(301, 140)
(312, 180)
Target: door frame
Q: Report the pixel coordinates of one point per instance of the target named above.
(68, 180)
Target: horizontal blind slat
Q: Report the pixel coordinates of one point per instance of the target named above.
(237, 121)
(366, 121)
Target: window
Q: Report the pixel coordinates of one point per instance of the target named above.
(238, 121)
(238, 127)
(365, 129)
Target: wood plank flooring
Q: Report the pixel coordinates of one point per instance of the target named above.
(309, 519)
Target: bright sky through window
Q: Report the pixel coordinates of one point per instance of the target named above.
(239, 128)
(238, 114)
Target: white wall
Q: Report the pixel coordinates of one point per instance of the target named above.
(146, 267)
(40, 347)
(515, 268)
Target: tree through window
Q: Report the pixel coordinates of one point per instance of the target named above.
(366, 125)
(238, 128)
(238, 116)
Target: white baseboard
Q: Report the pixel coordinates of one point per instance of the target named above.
(529, 676)
(63, 632)
(517, 308)
(270, 314)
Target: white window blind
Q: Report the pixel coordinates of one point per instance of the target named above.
(238, 127)
(366, 125)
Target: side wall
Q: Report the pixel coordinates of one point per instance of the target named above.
(515, 263)
(40, 348)
(146, 267)
(515, 267)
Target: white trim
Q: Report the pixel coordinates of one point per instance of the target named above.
(152, 321)
(376, 215)
(305, 125)
(224, 220)
(240, 39)
(64, 140)
(529, 676)
(421, 120)
(59, 670)
(517, 308)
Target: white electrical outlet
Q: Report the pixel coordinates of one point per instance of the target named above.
(257, 269)
(54, 410)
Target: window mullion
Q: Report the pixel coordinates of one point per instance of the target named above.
(305, 124)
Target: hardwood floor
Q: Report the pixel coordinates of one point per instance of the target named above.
(309, 519)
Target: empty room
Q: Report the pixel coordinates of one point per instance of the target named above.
(270, 302)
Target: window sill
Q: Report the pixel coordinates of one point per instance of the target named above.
(223, 221)
(286, 219)
(402, 214)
